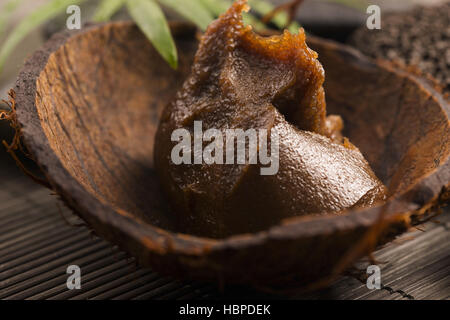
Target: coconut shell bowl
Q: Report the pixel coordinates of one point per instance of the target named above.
(88, 103)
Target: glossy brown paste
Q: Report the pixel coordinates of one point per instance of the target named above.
(242, 80)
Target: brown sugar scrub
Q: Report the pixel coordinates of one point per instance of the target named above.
(241, 80)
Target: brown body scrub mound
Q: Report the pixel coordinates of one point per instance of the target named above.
(243, 81)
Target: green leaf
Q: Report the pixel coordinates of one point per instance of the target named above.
(107, 8)
(294, 27)
(151, 20)
(5, 11)
(216, 7)
(193, 10)
(281, 19)
(250, 19)
(30, 22)
(263, 7)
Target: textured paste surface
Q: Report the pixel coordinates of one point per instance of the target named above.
(241, 80)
